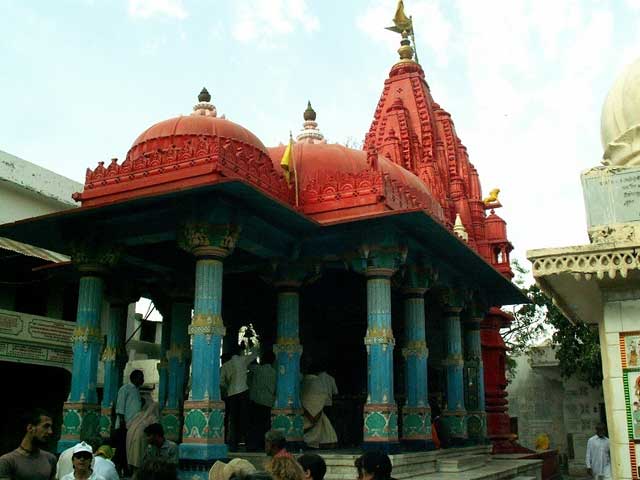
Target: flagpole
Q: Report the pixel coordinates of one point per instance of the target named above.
(413, 39)
(295, 171)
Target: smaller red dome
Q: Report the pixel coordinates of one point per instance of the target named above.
(199, 125)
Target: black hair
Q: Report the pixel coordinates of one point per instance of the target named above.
(157, 469)
(154, 429)
(315, 464)
(136, 373)
(376, 463)
(276, 438)
(34, 417)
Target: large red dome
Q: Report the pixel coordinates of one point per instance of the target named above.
(199, 125)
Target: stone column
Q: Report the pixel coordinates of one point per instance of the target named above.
(203, 431)
(114, 358)
(416, 414)
(287, 414)
(380, 411)
(177, 358)
(81, 415)
(163, 364)
(454, 415)
(474, 392)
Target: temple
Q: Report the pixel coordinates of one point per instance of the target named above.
(353, 252)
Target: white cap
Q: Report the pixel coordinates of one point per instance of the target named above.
(82, 447)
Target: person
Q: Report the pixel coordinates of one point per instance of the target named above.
(82, 460)
(315, 395)
(598, 459)
(233, 380)
(136, 438)
(313, 466)
(158, 446)
(262, 394)
(238, 469)
(374, 466)
(275, 444)
(29, 461)
(102, 463)
(101, 466)
(156, 469)
(284, 468)
(128, 405)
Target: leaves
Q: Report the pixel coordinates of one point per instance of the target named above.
(577, 347)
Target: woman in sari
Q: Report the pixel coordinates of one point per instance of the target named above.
(136, 438)
(318, 430)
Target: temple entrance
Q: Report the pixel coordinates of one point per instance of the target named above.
(32, 386)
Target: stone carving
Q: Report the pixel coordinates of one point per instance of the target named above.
(615, 233)
(587, 264)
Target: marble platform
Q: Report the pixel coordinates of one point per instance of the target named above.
(469, 463)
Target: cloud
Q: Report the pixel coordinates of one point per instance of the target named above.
(267, 20)
(151, 8)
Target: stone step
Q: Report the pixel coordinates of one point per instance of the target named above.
(461, 463)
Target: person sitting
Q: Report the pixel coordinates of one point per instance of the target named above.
(313, 466)
(275, 444)
(158, 446)
(82, 460)
(374, 466)
(285, 468)
(102, 463)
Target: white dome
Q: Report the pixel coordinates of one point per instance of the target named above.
(620, 120)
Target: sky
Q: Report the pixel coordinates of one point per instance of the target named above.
(524, 81)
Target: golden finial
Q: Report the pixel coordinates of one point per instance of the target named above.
(492, 199)
(403, 25)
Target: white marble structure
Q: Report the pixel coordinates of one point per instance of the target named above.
(599, 283)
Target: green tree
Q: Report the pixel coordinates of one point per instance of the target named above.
(577, 346)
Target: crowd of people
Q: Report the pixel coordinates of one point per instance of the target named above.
(92, 459)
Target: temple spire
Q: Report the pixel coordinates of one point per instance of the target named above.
(310, 132)
(204, 106)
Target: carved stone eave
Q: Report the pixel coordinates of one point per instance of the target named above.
(577, 277)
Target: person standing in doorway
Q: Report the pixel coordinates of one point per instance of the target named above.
(262, 393)
(29, 461)
(598, 457)
(128, 405)
(233, 380)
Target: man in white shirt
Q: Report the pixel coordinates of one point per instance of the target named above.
(598, 458)
(128, 404)
(262, 393)
(233, 381)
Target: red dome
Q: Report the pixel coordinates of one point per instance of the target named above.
(199, 125)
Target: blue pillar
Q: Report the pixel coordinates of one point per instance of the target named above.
(287, 412)
(177, 357)
(114, 359)
(474, 381)
(163, 364)
(203, 430)
(454, 415)
(416, 414)
(380, 411)
(81, 414)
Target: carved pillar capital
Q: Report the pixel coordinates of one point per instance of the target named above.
(94, 258)
(208, 240)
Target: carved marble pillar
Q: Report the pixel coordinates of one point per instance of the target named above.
(177, 358)
(203, 430)
(474, 381)
(380, 410)
(287, 413)
(81, 414)
(416, 414)
(114, 358)
(454, 415)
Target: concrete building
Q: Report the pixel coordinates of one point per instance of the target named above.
(599, 283)
(567, 410)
